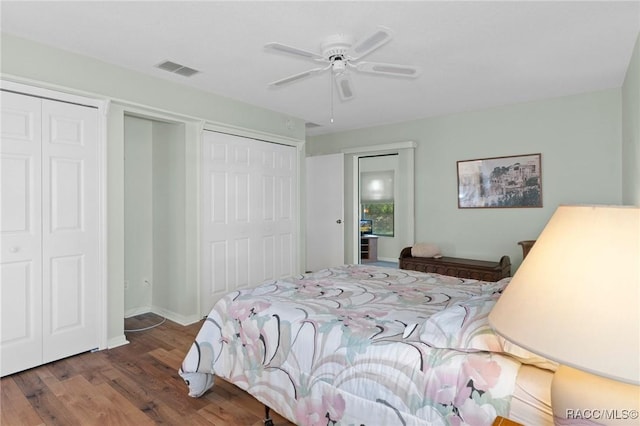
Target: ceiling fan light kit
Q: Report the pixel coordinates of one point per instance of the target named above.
(343, 52)
(336, 45)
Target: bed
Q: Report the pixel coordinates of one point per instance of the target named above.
(367, 345)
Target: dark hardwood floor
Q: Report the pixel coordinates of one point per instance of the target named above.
(135, 384)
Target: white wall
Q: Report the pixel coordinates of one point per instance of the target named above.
(578, 136)
(631, 131)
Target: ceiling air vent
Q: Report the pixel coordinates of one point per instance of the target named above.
(310, 125)
(177, 68)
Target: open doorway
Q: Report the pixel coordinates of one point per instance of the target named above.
(395, 224)
(154, 214)
(377, 207)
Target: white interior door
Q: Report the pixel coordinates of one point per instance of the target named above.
(50, 231)
(70, 229)
(325, 211)
(249, 229)
(21, 263)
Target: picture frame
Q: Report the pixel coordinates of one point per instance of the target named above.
(500, 182)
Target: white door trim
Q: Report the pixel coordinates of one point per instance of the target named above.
(380, 149)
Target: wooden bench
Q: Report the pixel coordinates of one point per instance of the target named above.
(457, 267)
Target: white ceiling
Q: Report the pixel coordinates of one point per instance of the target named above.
(474, 54)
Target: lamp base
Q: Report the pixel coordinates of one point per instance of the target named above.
(579, 398)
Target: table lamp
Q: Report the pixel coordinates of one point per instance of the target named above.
(576, 300)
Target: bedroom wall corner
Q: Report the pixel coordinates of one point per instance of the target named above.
(631, 130)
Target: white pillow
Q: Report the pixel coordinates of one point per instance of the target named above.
(425, 250)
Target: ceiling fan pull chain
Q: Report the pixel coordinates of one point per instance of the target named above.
(331, 92)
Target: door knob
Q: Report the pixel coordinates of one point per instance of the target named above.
(339, 221)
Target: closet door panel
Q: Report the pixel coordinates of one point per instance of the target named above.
(70, 229)
(226, 224)
(20, 230)
(248, 227)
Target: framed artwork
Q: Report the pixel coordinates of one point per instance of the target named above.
(500, 182)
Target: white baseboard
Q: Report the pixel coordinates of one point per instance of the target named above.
(137, 311)
(170, 315)
(180, 319)
(388, 259)
(117, 341)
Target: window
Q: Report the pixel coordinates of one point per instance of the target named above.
(382, 216)
(377, 201)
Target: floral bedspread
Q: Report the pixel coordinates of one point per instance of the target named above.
(342, 347)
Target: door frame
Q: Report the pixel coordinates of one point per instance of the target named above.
(102, 105)
(367, 151)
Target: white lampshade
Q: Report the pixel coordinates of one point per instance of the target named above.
(576, 297)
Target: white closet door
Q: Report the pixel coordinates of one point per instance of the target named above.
(21, 263)
(50, 231)
(70, 229)
(249, 221)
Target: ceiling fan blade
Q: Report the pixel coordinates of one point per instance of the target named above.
(394, 70)
(279, 47)
(370, 43)
(345, 88)
(296, 77)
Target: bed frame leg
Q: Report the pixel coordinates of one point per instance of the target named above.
(267, 418)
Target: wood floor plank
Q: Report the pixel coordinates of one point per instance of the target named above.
(50, 409)
(16, 410)
(134, 384)
(92, 366)
(41, 398)
(93, 405)
(172, 359)
(137, 395)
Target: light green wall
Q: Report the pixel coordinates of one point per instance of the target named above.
(155, 212)
(578, 137)
(25, 59)
(631, 130)
(40, 65)
(169, 242)
(138, 215)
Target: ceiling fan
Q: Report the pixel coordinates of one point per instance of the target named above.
(340, 53)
